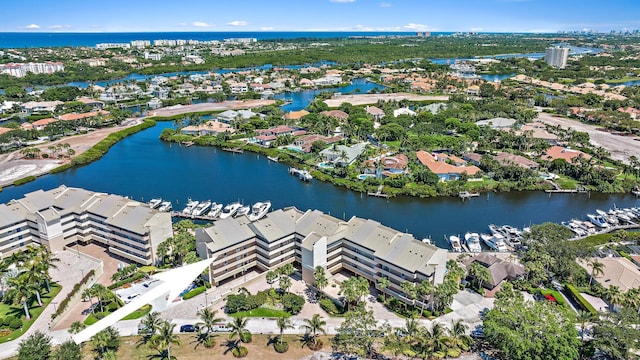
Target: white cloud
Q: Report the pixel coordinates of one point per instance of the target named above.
(32, 26)
(342, 1)
(385, 4)
(238, 23)
(413, 26)
(58, 27)
(266, 28)
(200, 24)
(476, 29)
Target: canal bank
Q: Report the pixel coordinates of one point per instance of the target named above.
(142, 167)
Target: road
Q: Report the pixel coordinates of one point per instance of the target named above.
(620, 147)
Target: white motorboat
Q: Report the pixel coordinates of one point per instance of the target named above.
(191, 205)
(304, 175)
(495, 229)
(456, 246)
(243, 210)
(259, 210)
(611, 219)
(511, 231)
(427, 241)
(495, 242)
(230, 210)
(165, 206)
(201, 208)
(215, 210)
(598, 220)
(473, 242)
(620, 215)
(155, 203)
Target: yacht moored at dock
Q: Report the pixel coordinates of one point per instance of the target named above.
(215, 210)
(259, 210)
(155, 203)
(495, 242)
(201, 208)
(473, 242)
(165, 206)
(243, 210)
(597, 220)
(456, 245)
(191, 205)
(230, 210)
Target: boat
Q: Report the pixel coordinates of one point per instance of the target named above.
(495, 242)
(230, 210)
(473, 242)
(598, 221)
(155, 203)
(456, 246)
(191, 205)
(511, 231)
(201, 208)
(165, 206)
(611, 219)
(259, 210)
(427, 241)
(215, 210)
(495, 229)
(466, 195)
(620, 215)
(302, 174)
(274, 159)
(243, 210)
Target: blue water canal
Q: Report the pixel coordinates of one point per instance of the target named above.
(142, 167)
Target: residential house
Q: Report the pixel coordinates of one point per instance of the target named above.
(385, 166)
(238, 87)
(538, 131)
(305, 142)
(404, 111)
(617, 271)
(559, 152)
(497, 123)
(95, 104)
(296, 115)
(337, 114)
(40, 106)
(42, 123)
(376, 112)
(210, 128)
(473, 158)
(231, 115)
(342, 155)
(499, 271)
(439, 165)
(4, 130)
(505, 159)
(82, 116)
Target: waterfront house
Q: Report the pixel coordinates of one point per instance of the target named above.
(559, 152)
(296, 115)
(305, 142)
(210, 128)
(229, 116)
(306, 83)
(62, 216)
(82, 116)
(617, 271)
(473, 158)
(95, 104)
(506, 159)
(40, 106)
(42, 123)
(310, 239)
(342, 155)
(337, 114)
(386, 165)
(439, 165)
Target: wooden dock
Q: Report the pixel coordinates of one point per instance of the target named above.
(467, 195)
(378, 193)
(236, 150)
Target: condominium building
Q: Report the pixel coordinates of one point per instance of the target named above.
(64, 215)
(140, 43)
(312, 238)
(105, 46)
(557, 56)
(21, 69)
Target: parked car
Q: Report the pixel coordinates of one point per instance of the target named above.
(188, 328)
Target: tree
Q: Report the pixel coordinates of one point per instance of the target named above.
(68, 350)
(614, 296)
(102, 293)
(21, 289)
(383, 283)
(458, 337)
(583, 318)
(36, 347)
(320, 278)
(285, 283)
(313, 326)
(525, 330)
(357, 333)
(597, 268)
(425, 288)
(283, 323)
(434, 340)
(105, 341)
(615, 334)
(76, 327)
(271, 277)
(165, 338)
(479, 273)
(410, 291)
(239, 328)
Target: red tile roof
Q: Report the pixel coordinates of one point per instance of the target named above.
(558, 152)
(438, 166)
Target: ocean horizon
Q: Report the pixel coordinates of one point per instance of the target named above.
(90, 39)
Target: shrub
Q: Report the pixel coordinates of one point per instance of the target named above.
(16, 324)
(240, 352)
(580, 300)
(292, 303)
(210, 342)
(246, 337)
(330, 307)
(131, 279)
(7, 321)
(556, 295)
(236, 303)
(24, 180)
(281, 347)
(65, 302)
(194, 292)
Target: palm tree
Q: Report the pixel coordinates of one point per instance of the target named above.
(383, 283)
(46, 261)
(313, 326)
(435, 340)
(102, 293)
(238, 328)
(208, 318)
(320, 278)
(614, 295)
(480, 273)
(21, 289)
(152, 322)
(458, 337)
(106, 341)
(424, 290)
(271, 277)
(285, 283)
(283, 323)
(165, 337)
(410, 291)
(597, 268)
(412, 329)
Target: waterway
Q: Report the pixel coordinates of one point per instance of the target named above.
(299, 100)
(142, 167)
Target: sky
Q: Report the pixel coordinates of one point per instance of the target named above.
(319, 15)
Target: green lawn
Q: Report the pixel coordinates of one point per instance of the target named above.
(138, 313)
(262, 312)
(34, 310)
(566, 183)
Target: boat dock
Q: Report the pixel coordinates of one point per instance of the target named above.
(234, 150)
(467, 195)
(379, 193)
(180, 214)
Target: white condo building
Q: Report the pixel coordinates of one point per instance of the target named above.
(63, 216)
(557, 56)
(21, 69)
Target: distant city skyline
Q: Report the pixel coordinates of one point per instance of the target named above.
(321, 15)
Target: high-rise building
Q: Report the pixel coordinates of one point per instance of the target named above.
(557, 56)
